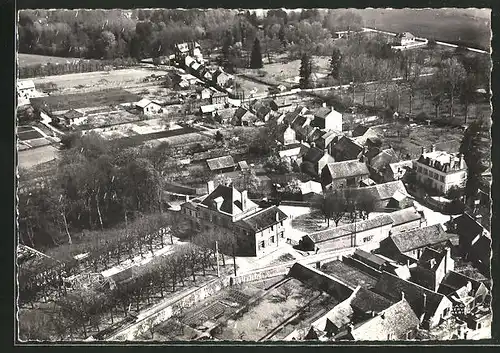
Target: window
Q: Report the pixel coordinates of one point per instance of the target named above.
(282, 234)
(367, 239)
(446, 312)
(262, 244)
(272, 228)
(441, 178)
(419, 169)
(281, 223)
(272, 240)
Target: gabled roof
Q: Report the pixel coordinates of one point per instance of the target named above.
(405, 215)
(314, 154)
(231, 197)
(428, 255)
(73, 114)
(323, 112)
(311, 187)
(392, 287)
(387, 190)
(290, 117)
(419, 238)
(349, 275)
(263, 219)
(143, 103)
(368, 258)
(221, 162)
(402, 164)
(367, 300)
(243, 165)
(347, 169)
(383, 159)
(360, 130)
(466, 226)
(453, 281)
(392, 323)
(348, 229)
(348, 147)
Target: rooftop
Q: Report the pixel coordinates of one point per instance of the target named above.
(221, 162)
(231, 200)
(349, 275)
(365, 300)
(143, 103)
(419, 238)
(405, 215)
(263, 219)
(347, 169)
(442, 161)
(26, 84)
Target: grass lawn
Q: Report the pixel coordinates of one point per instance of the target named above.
(25, 60)
(29, 135)
(35, 156)
(84, 100)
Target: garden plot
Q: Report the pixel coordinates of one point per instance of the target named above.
(34, 156)
(109, 118)
(288, 72)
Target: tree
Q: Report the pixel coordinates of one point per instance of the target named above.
(276, 164)
(305, 71)
(219, 138)
(435, 92)
(467, 94)
(332, 205)
(454, 75)
(256, 56)
(335, 62)
(470, 147)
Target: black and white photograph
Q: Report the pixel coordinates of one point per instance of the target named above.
(253, 175)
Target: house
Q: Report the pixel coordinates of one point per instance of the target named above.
(210, 109)
(327, 119)
(349, 235)
(221, 164)
(290, 116)
(221, 79)
(243, 166)
(346, 149)
(257, 231)
(441, 171)
(287, 135)
(430, 307)
(468, 230)
(264, 113)
(243, 117)
(326, 139)
(318, 159)
(206, 93)
(409, 245)
(404, 38)
(390, 196)
(380, 162)
(362, 130)
(294, 152)
(396, 171)
(182, 50)
(194, 67)
(397, 322)
(406, 219)
(145, 106)
(310, 189)
(352, 276)
(73, 117)
(432, 267)
(343, 174)
(465, 293)
(480, 253)
(220, 98)
(25, 89)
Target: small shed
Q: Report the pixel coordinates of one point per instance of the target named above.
(221, 164)
(148, 107)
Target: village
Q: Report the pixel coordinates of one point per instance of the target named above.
(275, 202)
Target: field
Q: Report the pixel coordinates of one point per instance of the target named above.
(24, 60)
(123, 78)
(468, 27)
(107, 97)
(32, 157)
(29, 135)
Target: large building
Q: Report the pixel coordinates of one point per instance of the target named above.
(257, 231)
(25, 89)
(441, 170)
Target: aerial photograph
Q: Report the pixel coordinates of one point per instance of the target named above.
(253, 175)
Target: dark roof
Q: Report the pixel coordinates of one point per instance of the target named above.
(482, 248)
(454, 281)
(405, 215)
(341, 231)
(263, 219)
(231, 200)
(428, 255)
(368, 258)
(419, 238)
(466, 226)
(290, 117)
(351, 276)
(299, 121)
(392, 287)
(238, 114)
(322, 112)
(72, 114)
(366, 300)
(452, 146)
(359, 130)
(347, 169)
(313, 155)
(383, 159)
(348, 148)
(220, 162)
(392, 323)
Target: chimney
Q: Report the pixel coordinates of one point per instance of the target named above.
(460, 161)
(210, 186)
(186, 198)
(425, 303)
(433, 148)
(402, 295)
(277, 216)
(324, 104)
(325, 150)
(469, 287)
(432, 263)
(423, 149)
(350, 327)
(244, 198)
(313, 144)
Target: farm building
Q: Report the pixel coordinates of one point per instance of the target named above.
(220, 98)
(404, 38)
(396, 171)
(310, 189)
(380, 162)
(343, 174)
(72, 117)
(349, 235)
(221, 79)
(346, 149)
(210, 109)
(206, 93)
(25, 89)
(146, 106)
(318, 159)
(431, 268)
(221, 164)
(183, 50)
(406, 219)
(326, 139)
(287, 136)
(243, 117)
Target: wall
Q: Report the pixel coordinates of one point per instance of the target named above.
(266, 234)
(439, 314)
(406, 226)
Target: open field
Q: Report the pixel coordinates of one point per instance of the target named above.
(24, 60)
(468, 27)
(32, 157)
(99, 80)
(28, 135)
(102, 119)
(84, 100)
